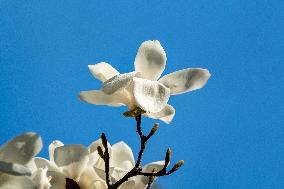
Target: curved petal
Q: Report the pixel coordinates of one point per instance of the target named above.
(114, 172)
(51, 148)
(16, 182)
(158, 165)
(40, 179)
(122, 156)
(21, 149)
(151, 96)
(101, 172)
(186, 80)
(98, 185)
(127, 185)
(100, 98)
(57, 181)
(103, 71)
(42, 163)
(92, 148)
(72, 159)
(117, 173)
(150, 60)
(166, 114)
(143, 180)
(118, 82)
(14, 169)
(88, 177)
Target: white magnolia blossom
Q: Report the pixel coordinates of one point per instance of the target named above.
(16, 159)
(143, 88)
(121, 162)
(68, 165)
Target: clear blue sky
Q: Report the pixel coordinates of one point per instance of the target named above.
(230, 133)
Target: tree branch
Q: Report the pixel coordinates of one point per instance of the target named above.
(137, 169)
(105, 158)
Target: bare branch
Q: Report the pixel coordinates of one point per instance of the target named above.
(106, 158)
(137, 169)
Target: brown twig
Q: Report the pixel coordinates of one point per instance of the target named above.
(105, 158)
(137, 169)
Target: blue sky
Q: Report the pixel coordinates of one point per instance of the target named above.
(230, 133)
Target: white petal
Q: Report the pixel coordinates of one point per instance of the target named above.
(97, 160)
(57, 180)
(185, 80)
(103, 71)
(72, 159)
(14, 169)
(21, 149)
(117, 173)
(150, 60)
(31, 165)
(158, 165)
(98, 185)
(151, 96)
(100, 98)
(16, 182)
(118, 82)
(42, 163)
(101, 172)
(51, 148)
(88, 177)
(122, 156)
(40, 179)
(114, 172)
(166, 114)
(127, 185)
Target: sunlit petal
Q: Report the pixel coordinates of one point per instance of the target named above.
(100, 98)
(151, 96)
(72, 159)
(103, 71)
(166, 114)
(118, 82)
(150, 60)
(14, 169)
(21, 149)
(185, 80)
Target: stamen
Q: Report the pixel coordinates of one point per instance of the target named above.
(71, 184)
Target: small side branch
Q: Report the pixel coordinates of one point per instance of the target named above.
(105, 156)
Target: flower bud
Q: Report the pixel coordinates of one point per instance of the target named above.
(168, 157)
(100, 152)
(176, 166)
(154, 129)
(104, 140)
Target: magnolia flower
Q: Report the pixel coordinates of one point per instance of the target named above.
(70, 166)
(121, 162)
(82, 168)
(16, 160)
(143, 88)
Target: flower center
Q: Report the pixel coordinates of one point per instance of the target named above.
(71, 184)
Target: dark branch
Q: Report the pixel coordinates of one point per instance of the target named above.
(106, 158)
(137, 169)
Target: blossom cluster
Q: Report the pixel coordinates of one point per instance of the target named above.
(69, 166)
(78, 167)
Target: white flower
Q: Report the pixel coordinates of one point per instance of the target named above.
(121, 162)
(75, 165)
(143, 88)
(69, 165)
(16, 159)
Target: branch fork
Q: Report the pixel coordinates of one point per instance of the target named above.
(137, 169)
